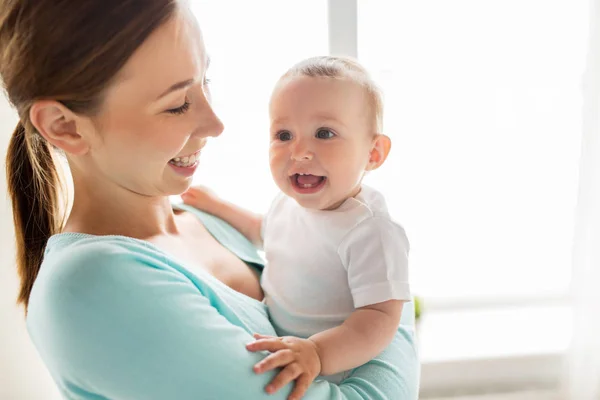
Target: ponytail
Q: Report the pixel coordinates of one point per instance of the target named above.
(33, 184)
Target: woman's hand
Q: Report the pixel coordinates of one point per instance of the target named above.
(201, 198)
(299, 359)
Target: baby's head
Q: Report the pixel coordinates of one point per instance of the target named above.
(326, 131)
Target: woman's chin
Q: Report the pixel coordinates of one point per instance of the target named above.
(178, 186)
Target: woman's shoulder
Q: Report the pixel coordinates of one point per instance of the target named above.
(85, 267)
(78, 256)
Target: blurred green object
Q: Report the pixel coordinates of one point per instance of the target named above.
(418, 303)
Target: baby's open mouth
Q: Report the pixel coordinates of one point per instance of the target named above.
(307, 183)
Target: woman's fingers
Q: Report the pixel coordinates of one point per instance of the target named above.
(275, 360)
(271, 345)
(300, 388)
(289, 373)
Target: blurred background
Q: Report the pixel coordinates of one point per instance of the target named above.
(492, 107)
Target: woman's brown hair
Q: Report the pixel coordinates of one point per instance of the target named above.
(68, 51)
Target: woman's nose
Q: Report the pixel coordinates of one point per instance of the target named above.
(209, 123)
(216, 126)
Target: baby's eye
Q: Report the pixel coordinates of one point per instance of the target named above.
(284, 136)
(324, 133)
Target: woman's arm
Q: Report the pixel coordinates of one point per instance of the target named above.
(115, 325)
(122, 328)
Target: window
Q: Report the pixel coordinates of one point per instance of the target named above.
(483, 104)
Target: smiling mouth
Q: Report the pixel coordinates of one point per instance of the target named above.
(307, 183)
(186, 161)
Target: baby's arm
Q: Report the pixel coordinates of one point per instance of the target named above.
(375, 254)
(246, 222)
(365, 334)
(362, 337)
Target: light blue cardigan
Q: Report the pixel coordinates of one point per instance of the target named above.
(117, 318)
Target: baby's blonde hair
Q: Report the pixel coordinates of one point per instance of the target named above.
(342, 67)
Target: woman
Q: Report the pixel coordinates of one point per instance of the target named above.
(129, 298)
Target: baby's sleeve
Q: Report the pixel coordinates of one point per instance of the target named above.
(375, 254)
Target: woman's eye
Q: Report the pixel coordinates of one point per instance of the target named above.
(284, 136)
(324, 134)
(180, 110)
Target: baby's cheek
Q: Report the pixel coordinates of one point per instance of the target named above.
(275, 156)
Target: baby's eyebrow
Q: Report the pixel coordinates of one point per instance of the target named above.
(280, 121)
(329, 118)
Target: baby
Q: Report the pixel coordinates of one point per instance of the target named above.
(336, 275)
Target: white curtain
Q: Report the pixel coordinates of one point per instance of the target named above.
(583, 376)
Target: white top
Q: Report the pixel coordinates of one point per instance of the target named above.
(322, 265)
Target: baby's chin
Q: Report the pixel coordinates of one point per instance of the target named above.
(318, 202)
(309, 205)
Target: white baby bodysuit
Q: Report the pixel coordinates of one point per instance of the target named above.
(322, 265)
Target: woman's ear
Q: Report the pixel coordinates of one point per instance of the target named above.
(379, 151)
(58, 125)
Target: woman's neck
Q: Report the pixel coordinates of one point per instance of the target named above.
(102, 210)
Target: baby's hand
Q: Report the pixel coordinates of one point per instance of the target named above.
(200, 197)
(299, 359)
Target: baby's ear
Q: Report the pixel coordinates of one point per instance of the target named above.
(379, 151)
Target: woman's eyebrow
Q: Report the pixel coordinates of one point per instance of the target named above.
(183, 84)
(176, 86)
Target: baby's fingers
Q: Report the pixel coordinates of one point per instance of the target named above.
(275, 360)
(189, 195)
(289, 373)
(271, 345)
(259, 336)
(300, 388)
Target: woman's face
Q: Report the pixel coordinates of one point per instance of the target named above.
(156, 115)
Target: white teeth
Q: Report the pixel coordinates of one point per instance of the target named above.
(185, 162)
